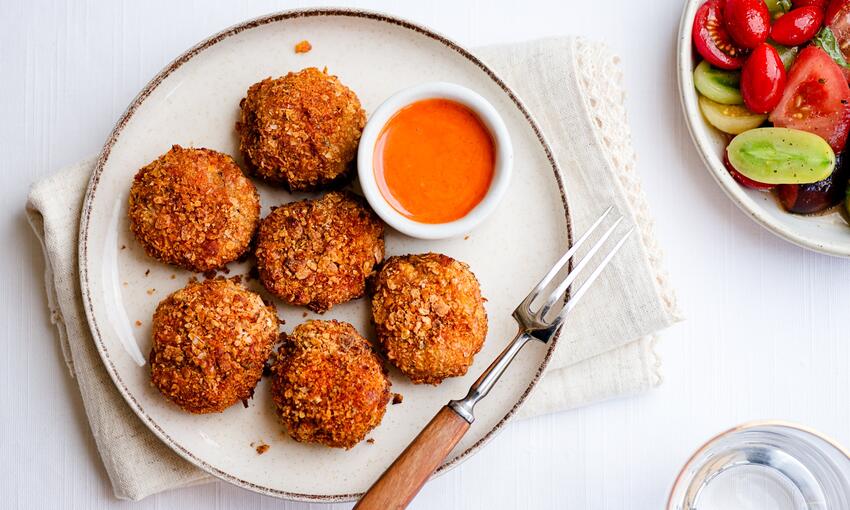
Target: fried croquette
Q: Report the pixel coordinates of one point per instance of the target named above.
(300, 131)
(319, 253)
(328, 385)
(193, 208)
(429, 316)
(210, 341)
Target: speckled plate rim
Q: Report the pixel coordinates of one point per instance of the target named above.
(697, 128)
(85, 219)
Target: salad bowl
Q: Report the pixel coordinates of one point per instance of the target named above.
(827, 233)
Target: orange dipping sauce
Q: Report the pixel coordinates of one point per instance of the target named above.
(434, 161)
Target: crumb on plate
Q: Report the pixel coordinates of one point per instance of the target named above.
(303, 46)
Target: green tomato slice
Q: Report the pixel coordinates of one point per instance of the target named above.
(781, 156)
(730, 118)
(718, 85)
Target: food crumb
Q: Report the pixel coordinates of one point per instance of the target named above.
(151, 291)
(138, 323)
(173, 276)
(304, 314)
(370, 440)
(123, 246)
(147, 272)
(260, 447)
(465, 237)
(398, 398)
(125, 284)
(303, 46)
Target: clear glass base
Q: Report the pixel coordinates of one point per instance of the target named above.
(764, 466)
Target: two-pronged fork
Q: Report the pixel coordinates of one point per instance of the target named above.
(403, 479)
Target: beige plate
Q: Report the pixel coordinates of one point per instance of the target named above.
(194, 102)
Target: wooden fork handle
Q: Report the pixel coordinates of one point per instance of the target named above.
(403, 479)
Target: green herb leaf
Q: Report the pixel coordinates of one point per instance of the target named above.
(778, 7)
(825, 40)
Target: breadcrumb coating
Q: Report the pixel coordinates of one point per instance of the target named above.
(300, 131)
(319, 253)
(210, 341)
(193, 208)
(328, 385)
(429, 316)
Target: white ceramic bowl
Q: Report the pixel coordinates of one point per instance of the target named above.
(827, 233)
(501, 176)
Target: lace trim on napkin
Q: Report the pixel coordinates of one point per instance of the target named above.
(606, 103)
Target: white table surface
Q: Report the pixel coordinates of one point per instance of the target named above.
(766, 334)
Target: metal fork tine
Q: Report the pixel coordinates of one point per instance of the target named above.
(534, 325)
(576, 296)
(563, 260)
(570, 278)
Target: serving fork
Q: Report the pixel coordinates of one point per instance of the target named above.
(403, 479)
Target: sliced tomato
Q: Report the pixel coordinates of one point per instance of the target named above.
(711, 39)
(743, 179)
(816, 98)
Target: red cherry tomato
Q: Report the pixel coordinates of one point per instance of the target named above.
(820, 4)
(839, 23)
(711, 39)
(816, 98)
(834, 8)
(748, 22)
(762, 79)
(797, 26)
(741, 178)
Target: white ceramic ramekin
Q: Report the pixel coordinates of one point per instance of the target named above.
(501, 176)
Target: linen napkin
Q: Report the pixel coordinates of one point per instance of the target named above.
(573, 88)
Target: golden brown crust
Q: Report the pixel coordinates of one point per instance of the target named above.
(301, 130)
(210, 341)
(328, 385)
(318, 253)
(429, 316)
(193, 208)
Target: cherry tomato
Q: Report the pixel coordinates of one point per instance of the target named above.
(834, 8)
(839, 23)
(797, 26)
(816, 98)
(741, 178)
(747, 21)
(820, 4)
(762, 79)
(711, 39)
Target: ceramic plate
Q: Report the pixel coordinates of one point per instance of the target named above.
(194, 102)
(828, 233)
